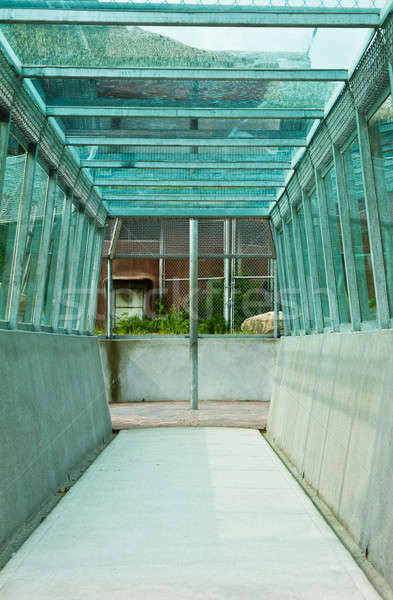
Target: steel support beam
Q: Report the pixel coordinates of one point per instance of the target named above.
(187, 113)
(127, 164)
(43, 255)
(22, 228)
(297, 239)
(187, 183)
(289, 266)
(187, 211)
(327, 248)
(193, 308)
(276, 308)
(349, 258)
(109, 299)
(71, 72)
(80, 321)
(196, 15)
(91, 315)
(91, 140)
(373, 221)
(144, 199)
(61, 262)
(312, 259)
(283, 288)
(227, 272)
(115, 238)
(78, 252)
(5, 121)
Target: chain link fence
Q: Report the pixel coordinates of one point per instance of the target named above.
(150, 271)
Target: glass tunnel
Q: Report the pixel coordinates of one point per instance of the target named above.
(196, 210)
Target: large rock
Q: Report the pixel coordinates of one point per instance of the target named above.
(263, 323)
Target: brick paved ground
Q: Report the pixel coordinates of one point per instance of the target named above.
(133, 415)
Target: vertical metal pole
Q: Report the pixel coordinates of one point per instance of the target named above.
(61, 262)
(327, 252)
(390, 69)
(297, 238)
(349, 258)
(91, 315)
(4, 137)
(78, 254)
(290, 268)
(227, 269)
(109, 299)
(275, 299)
(161, 265)
(312, 259)
(194, 312)
(232, 289)
(44, 250)
(374, 227)
(282, 282)
(84, 291)
(20, 239)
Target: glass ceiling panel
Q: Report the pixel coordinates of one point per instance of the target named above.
(219, 47)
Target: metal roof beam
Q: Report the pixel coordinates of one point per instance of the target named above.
(249, 142)
(71, 72)
(182, 210)
(188, 113)
(202, 183)
(159, 199)
(129, 164)
(196, 15)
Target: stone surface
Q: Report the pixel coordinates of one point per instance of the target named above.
(133, 415)
(188, 514)
(53, 413)
(263, 324)
(332, 415)
(158, 369)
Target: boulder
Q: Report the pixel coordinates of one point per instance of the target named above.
(263, 324)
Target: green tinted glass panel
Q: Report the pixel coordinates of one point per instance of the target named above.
(359, 230)
(320, 260)
(381, 136)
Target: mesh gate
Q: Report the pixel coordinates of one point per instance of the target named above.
(151, 286)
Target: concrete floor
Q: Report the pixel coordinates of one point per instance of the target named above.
(130, 415)
(188, 514)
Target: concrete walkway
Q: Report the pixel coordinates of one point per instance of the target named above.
(187, 514)
(131, 415)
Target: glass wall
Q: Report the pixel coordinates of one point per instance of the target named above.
(381, 140)
(297, 312)
(306, 264)
(32, 245)
(322, 291)
(359, 230)
(9, 215)
(337, 245)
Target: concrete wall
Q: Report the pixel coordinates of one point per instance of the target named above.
(332, 415)
(159, 368)
(53, 413)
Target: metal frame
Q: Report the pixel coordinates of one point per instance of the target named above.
(95, 277)
(200, 183)
(188, 113)
(284, 74)
(193, 308)
(142, 165)
(300, 269)
(94, 140)
(197, 15)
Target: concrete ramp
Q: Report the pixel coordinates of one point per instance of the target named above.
(188, 514)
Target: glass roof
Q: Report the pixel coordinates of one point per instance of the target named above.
(116, 120)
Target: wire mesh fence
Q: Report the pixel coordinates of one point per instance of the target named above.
(151, 285)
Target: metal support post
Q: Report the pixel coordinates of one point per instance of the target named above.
(282, 282)
(232, 276)
(4, 137)
(227, 271)
(290, 268)
(20, 238)
(312, 259)
(109, 299)
(349, 258)
(80, 323)
(44, 250)
(276, 307)
(194, 312)
(161, 265)
(374, 227)
(91, 315)
(327, 248)
(78, 254)
(61, 262)
(297, 238)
